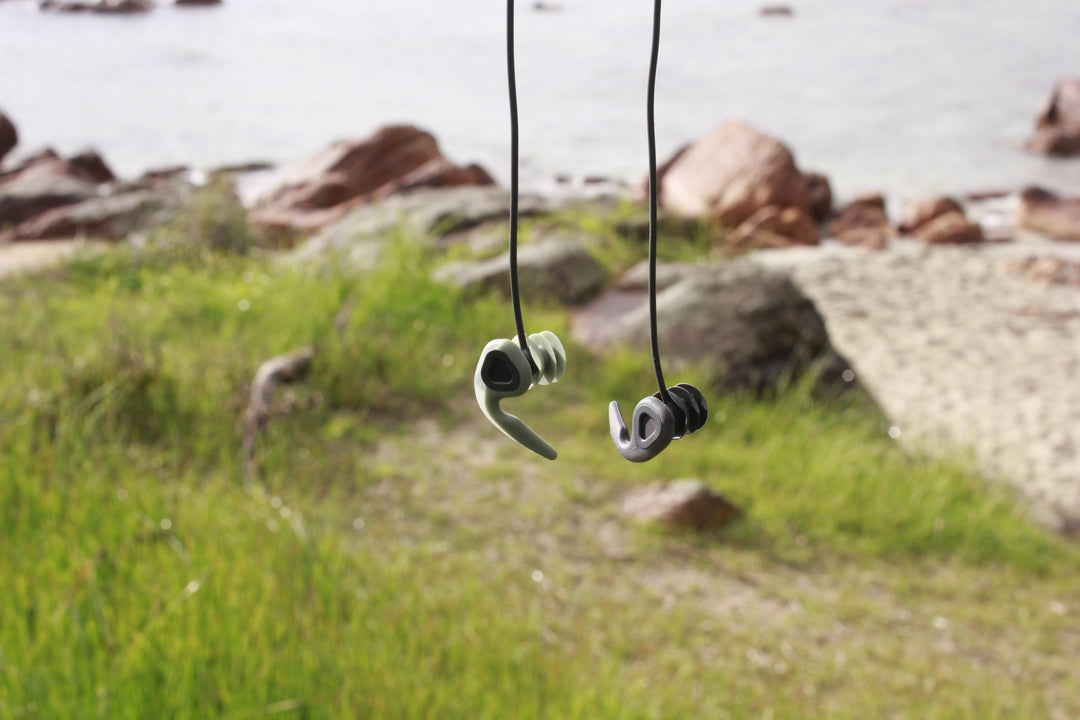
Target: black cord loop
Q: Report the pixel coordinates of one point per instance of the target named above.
(651, 129)
(512, 84)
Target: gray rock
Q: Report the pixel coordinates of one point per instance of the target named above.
(751, 325)
(121, 7)
(636, 227)
(25, 197)
(361, 233)
(109, 217)
(556, 268)
(636, 279)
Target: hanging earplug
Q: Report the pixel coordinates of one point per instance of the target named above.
(656, 422)
(504, 372)
(507, 368)
(681, 409)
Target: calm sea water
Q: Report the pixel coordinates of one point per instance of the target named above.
(905, 96)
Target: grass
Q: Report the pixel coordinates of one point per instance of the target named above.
(399, 558)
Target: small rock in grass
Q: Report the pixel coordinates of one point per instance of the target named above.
(681, 505)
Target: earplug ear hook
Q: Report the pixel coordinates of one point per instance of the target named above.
(681, 409)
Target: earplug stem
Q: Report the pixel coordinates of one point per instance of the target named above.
(651, 129)
(512, 82)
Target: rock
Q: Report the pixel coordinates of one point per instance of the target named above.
(976, 196)
(168, 173)
(24, 197)
(731, 174)
(920, 212)
(360, 234)
(636, 279)
(952, 228)
(1045, 212)
(774, 227)
(120, 7)
(354, 172)
(438, 173)
(555, 268)
(636, 227)
(1057, 129)
(680, 505)
(87, 166)
(776, 11)
(9, 136)
(662, 171)
(90, 165)
(123, 6)
(821, 197)
(242, 168)
(863, 223)
(46, 181)
(111, 217)
(752, 326)
(940, 221)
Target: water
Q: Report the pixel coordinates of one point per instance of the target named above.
(903, 96)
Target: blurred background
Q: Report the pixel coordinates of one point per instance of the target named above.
(906, 97)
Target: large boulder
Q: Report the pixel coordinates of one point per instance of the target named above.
(9, 136)
(1057, 129)
(354, 172)
(1045, 212)
(732, 173)
(750, 325)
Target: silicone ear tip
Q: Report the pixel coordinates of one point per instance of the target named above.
(697, 407)
(549, 355)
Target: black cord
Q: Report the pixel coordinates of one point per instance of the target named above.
(512, 77)
(651, 126)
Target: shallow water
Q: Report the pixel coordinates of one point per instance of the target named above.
(907, 97)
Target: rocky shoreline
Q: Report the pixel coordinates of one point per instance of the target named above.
(962, 319)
